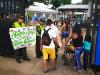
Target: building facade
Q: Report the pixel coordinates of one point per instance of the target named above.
(12, 7)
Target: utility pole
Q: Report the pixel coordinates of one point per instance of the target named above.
(90, 28)
(90, 12)
(90, 5)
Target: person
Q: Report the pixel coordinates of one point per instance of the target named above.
(20, 53)
(39, 28)
(65, 30)
(57, 35)
(77, 41)
(30, 23)
(49, 49)
(87, 48)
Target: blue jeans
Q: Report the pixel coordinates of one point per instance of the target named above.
(78, 52)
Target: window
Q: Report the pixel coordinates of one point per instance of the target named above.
(1, 4)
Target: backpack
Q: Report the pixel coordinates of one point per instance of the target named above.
(46, 40)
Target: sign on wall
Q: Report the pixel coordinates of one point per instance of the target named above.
(23, 37)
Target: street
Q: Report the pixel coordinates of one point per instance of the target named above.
(8, 66)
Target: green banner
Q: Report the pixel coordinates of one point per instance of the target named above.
(23, 37)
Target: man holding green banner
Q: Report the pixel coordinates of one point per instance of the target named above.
(20, 53)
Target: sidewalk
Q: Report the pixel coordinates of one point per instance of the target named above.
(8, 66)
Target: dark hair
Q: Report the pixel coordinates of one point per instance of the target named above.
(49, 22)
(67, 24)
(77, 29)
(88, 38)
(36, 19)
(30, 18)
(21, 17)
(42, 20)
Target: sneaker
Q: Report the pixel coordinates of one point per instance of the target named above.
(18, 60)
(85, 69)
(80, 70)
(75, 68)
(46, 71)
(27, 59)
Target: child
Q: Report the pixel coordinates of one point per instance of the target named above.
(68, 52)
(87, 48)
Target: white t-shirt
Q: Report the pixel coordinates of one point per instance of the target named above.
(56, 31)
(51, 34)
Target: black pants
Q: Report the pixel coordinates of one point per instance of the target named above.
(38, 51)
(21, 53)
(56, 51)
(86, 59)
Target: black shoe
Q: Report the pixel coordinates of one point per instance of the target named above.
(85, 69)
(18, 60)
(27, 59)
(39, 57)
(1, 54)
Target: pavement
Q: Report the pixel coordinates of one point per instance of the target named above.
(8, 66)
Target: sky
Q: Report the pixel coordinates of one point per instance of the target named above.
(76, 1)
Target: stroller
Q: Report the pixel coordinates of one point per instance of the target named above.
(68, 56)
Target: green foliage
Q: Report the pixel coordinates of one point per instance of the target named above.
(28, 2)
(85, 1)
(57, 3)
(42, 1)
(66, 2)
(38, 1)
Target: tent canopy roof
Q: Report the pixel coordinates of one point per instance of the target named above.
(40, 7)
(75, 7)
(72, 6)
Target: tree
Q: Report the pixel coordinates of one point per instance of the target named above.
(42, 1)
(85, 1)
(66, 2)
(57, 3)
(28, 2)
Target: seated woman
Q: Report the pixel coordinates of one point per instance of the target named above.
(64, 30)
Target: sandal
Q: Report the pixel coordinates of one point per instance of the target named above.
(46, 71)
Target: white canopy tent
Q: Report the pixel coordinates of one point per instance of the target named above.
(42, 5)
(73, 6)
(40, 8)
(33, 8)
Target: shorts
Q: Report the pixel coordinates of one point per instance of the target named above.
(65, 34)
(47, 52)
